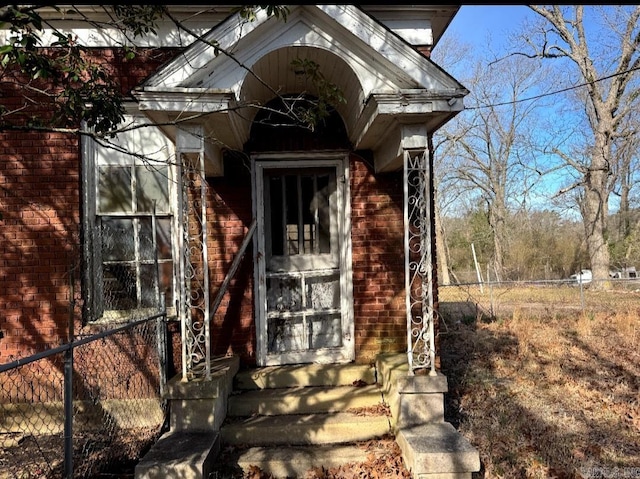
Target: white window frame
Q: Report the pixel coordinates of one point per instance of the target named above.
(93, 287)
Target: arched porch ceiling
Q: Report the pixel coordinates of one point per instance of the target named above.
(387, 83)
(275, 74)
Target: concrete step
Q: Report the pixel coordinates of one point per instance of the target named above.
(438, 449)
(180, 454)
(304, 400)
(304, 375)
(301, 429)
(292, 461)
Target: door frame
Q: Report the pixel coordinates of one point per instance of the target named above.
(340, 161)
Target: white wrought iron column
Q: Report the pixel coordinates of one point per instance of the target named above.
(194, 270)
(418, 252)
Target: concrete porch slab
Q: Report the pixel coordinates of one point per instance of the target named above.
(303, 400)
(304, 375)
(223, 370)
(187, 455)
(303, 429)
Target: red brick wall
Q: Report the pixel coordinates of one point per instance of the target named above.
(39, 239)
(39, 243)
(40, 224)
(229, 217)
(378, 261)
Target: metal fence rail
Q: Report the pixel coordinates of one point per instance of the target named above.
(85, 408)
(544, 298)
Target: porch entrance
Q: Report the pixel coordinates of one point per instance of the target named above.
(304, 305)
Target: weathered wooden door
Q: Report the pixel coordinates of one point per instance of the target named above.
(304, 306)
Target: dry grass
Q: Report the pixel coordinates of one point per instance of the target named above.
(545, 387)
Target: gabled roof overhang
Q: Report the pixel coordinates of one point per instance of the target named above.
(392, 91)
(391, 121)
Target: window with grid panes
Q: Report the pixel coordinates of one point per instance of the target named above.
(133, 225)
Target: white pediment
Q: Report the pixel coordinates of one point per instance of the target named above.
(240, 64)
(380, 59)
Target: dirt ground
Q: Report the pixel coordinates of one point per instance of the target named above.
(548, 389)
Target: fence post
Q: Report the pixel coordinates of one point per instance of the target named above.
(161, 338)
(68, 387)
(161, 334)
(478, 273)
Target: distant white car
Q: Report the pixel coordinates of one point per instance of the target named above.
(583, 277)
(625, 273)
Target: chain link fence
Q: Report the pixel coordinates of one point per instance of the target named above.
(83, 409)
(93, 406)
(546, 298)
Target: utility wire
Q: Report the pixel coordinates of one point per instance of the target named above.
(537, 97)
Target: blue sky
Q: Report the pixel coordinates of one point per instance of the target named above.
(473, 23)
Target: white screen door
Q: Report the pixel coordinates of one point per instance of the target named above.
(304, 299)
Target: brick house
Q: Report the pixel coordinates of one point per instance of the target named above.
(323, 278)
(269, 242)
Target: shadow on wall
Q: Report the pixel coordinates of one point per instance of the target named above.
(378, 259)
(230, 215)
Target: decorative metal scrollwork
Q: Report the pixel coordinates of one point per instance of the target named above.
(195, 288)
(419, 262)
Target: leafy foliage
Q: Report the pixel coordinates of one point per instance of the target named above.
(65, 84)
(329, 94)
(73, 85)
(248, 12)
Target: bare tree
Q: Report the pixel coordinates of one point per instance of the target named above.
(453, 53)
(605, 62)
(492, 158)
(626, 175)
